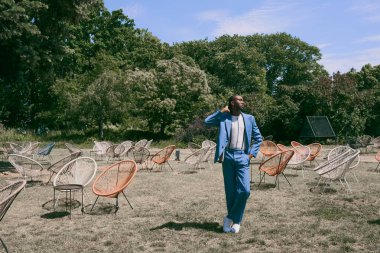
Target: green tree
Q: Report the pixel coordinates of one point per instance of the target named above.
(169, 96)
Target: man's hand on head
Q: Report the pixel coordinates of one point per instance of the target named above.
(225, 109)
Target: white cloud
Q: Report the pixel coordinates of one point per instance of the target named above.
(323, 45)
(273, 16)
(369, 39)
(356, 60)
(368, 10)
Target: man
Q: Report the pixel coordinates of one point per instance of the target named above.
(234, 150)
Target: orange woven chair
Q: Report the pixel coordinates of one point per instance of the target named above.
(161, 158)
(268, 148)
(377, 157)
(315, 149)
(113, 181)
(276, 165)
(282, 147)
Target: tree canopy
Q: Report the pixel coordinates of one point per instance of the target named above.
(74, 64)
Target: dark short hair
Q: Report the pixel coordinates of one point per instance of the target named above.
(231, 99)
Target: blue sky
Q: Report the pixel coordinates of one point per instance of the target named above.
(346, 31)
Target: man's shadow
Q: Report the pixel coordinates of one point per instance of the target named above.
(208, 226)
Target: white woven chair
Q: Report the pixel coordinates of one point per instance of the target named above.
(197, 157)
(127, 145)
(335, 152)
(26, 166)
(80, 171)
(337, 168)
(100, 148)
(301, 154)
(8, 194)
(147, 145)
(141, 143)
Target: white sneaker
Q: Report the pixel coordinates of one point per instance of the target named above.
(235, 228)
(227, 223)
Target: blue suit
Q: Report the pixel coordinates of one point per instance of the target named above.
(235, 162)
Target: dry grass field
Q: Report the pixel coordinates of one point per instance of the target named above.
(182, 211)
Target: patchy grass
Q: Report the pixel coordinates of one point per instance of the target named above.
(178, 211)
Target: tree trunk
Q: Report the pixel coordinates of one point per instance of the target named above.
(101, 127)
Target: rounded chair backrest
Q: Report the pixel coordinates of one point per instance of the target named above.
(138, 154)
(315, 148)
(193, 146)
(55, 167)
(72, 149)
(277, 162)
(268, 148)
(337, 151)
(8, 194)
(163, 155)
(282, 147)
(208, 143)
(377, 157)
(24, 165)
(300, 155)
(78, 171)
(114, 179)
(364, 140)
(197, 156)
(141, 143)
(295, 144)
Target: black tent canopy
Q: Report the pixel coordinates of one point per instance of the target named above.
(317, 127)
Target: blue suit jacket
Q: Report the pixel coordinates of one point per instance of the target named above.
(224, 122)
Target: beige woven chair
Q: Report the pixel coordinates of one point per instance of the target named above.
(301, 154)
(197, 157)
(127, 145)
(193, 147)
(100, 148)
(337, 168)
(72, 149)
(26, 166)
(8, 194)
(57, 166)
(80, 171)
(335, 152)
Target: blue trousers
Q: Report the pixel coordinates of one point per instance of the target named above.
(236, 183)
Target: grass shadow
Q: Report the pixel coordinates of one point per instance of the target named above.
(32, 183)
(263, 186)
(374, 222)
(374, 170)
(61, 204)
(322, 189)
(102, 208)
(292, 175)
(188, 172)
(55, 215)
(208, 226)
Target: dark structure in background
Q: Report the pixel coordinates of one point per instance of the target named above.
(317, 127)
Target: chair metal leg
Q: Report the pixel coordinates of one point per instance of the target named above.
(117, 204)
(169, 165)
(94, 203)
(127, 200)
(261, 179)
(286, 179)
